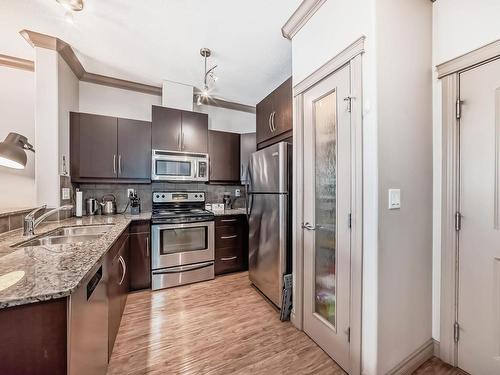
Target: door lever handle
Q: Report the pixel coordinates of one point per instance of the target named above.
(308, 226)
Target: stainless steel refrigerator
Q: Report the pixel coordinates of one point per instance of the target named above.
(269, 217)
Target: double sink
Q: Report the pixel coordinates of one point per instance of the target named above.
(67, 235)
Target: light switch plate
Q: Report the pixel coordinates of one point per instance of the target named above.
(65, 194)
(394, 199)
(237, 193)
(130, 191)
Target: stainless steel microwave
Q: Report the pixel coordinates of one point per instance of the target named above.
(179, 166)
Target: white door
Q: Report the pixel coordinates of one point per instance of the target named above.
(327, 202)
(479, 237)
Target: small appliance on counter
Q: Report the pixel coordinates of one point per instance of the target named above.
(91, 206)
(228, 204)
(135, 204)
(108, 204)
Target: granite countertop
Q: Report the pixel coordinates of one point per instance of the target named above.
(232, 211)
(40, 273)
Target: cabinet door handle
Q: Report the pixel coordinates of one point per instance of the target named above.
(228, 258)
(228, 237)
(124, 266)
(228, 220)
(147, 246)
(182, 141)
(114, 164)
(179, 147)
(273, 126)
(120, 164)
(269, 122)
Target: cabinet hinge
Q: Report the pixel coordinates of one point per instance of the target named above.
(458, 221)
(458, 109)
(350, 220)
(456, 331)
(348, 100)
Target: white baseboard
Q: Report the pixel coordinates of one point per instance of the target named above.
(414, 360)
(436, 348)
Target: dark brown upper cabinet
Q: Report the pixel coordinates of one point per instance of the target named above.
(109, 149)
(224, 153)
(134, 149)
(275, 116)
(247, 147)
(178, 130)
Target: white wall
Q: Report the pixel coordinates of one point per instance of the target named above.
(228, 120)
(453, 37)
(46, 127)
(17, 88)
(110, 101)
(332, 28)
(68, 93)
(404, 86)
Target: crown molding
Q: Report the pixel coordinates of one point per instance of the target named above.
(300, 17)
(40, 40)
(17, 63)
(121, 83)
(215, 102)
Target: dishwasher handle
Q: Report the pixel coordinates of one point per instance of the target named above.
(93, 282)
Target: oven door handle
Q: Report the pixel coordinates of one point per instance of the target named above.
(183, 268)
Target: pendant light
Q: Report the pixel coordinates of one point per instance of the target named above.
(12, 151)
(209, 75)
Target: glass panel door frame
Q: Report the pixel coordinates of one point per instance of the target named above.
(352, 55)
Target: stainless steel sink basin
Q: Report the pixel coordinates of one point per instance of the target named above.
(59, 240)
(76, 234)
(81, 230)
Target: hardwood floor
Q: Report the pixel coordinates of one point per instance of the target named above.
(437, 367)
(223, 326)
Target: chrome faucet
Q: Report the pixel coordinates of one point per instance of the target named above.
(30, 223)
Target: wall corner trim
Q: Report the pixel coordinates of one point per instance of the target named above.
(17, 63)
(469, 60)
(300, 17)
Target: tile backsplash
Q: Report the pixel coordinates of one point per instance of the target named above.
(215, 193)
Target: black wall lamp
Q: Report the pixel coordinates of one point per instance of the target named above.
(12, 151)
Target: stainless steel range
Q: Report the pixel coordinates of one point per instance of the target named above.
(183, 241)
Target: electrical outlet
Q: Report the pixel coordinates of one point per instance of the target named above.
(65, 194)
(237, 193)
(130, 192)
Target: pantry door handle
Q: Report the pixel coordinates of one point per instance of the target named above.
(308, 226)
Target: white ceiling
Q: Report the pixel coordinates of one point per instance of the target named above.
(148, 41)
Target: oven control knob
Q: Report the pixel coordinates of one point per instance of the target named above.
(157, 196)
(163, 195)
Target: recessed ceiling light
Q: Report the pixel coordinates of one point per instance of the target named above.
(74, 5)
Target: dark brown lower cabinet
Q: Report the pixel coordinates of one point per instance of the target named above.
(231, 244)
(33, 338)
(140, 255)
(116, 266)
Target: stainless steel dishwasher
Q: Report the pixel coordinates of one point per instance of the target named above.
(88, 328)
